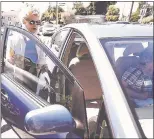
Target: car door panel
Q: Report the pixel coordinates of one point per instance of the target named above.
(18, 101)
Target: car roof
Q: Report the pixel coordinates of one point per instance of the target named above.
(114, 30)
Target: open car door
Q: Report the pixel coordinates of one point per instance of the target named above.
(32, 87)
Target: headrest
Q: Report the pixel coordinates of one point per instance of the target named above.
(133, 49)
(82, 50)
(146, 56)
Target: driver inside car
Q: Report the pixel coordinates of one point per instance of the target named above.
(138, 80)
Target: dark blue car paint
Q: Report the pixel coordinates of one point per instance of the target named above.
(18, 99)
(53, 118)
(25, 105)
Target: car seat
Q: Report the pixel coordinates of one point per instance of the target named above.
(84, 70)
(123, 63)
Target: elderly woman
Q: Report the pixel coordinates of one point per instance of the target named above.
(19, 46)
(23, 52)
(139, 80)
(30, 19)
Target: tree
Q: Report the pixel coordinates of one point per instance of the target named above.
(148, 19)
(112, 13)
(80, 10)
(91, 9)
(102, 6)
(50, 13)
(135, 16)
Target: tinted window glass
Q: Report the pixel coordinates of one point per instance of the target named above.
(132, 60)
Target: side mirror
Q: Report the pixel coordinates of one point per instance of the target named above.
(49, 120)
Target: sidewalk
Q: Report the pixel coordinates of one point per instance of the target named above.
(9, 133)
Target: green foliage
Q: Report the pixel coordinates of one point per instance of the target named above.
(135, 16)
(112, 10)
(91, 9)
(50, 13)
(112, 13)
(112, 17)
(80, 10)
(147, 20)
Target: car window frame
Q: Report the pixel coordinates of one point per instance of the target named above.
(43, 47)
(56, 34)
(52, 56)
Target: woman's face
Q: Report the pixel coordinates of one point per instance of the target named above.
(31, 22)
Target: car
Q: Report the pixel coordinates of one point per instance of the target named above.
(48, 29)
(85, 96)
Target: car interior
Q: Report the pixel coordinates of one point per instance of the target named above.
(129, 56)
(77, 58)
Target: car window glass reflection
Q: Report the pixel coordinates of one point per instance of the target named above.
(30, 67)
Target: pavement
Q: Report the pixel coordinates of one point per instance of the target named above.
(6, 131)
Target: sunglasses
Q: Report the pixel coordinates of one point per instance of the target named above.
(32, 22)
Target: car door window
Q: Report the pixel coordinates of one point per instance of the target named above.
(41, 76)
(58, 41)
(34, 73)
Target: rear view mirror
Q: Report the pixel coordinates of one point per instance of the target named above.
(49, 120)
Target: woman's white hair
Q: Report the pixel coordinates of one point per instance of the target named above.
(26, 10)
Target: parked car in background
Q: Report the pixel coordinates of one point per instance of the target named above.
(48, 29)
(82, 82)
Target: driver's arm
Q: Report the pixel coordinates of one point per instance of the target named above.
(133, 94)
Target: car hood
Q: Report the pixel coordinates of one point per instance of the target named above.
(147, 126)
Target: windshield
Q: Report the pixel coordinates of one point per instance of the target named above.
(132, 61)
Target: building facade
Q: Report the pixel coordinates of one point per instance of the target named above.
(10, 18)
